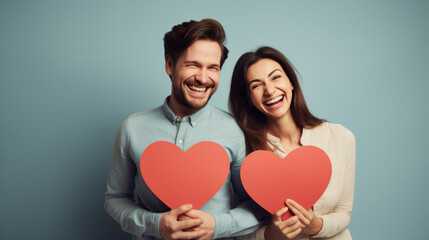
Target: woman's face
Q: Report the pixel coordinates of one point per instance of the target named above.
(269, 88)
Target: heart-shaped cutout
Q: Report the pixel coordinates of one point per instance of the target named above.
(303, 176)
(177, 177)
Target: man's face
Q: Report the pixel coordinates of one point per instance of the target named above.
(194, 77)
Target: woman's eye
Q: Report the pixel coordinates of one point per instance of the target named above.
(276, 77)
(254, 86)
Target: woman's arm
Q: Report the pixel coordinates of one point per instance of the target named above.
(339, 219)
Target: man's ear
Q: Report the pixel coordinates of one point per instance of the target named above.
(168, 65)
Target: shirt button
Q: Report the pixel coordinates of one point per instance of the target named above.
(178, 119)
(180, 141)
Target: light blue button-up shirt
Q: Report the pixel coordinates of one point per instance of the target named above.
(139, 215)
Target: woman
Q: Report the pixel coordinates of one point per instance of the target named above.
(268, 104)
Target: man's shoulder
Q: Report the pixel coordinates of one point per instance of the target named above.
(149, 114)
(219, 113)
(223, 122)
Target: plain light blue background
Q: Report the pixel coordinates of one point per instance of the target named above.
(72, 71)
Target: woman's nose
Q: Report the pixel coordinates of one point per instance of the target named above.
(269, 89)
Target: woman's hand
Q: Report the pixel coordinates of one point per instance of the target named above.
(278, 229)
(312, 223)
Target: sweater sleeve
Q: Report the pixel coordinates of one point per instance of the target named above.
(339, 219)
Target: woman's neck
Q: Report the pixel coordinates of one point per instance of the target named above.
(285, 129)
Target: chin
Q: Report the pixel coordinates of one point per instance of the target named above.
(197, 104)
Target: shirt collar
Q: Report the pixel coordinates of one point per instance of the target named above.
(193, 119)
(303, 141)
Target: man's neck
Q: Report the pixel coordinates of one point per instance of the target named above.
(178, 109)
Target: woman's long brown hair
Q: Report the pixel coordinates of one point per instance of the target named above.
(251, 120)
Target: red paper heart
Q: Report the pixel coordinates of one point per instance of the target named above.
(302, 176)
(178, 177)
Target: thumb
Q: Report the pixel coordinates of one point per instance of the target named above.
(277, 217)
(181, 210)
(193, 213)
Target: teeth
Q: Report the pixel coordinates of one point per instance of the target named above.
(199, 89)
(274, 100)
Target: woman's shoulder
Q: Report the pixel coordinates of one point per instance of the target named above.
(333, 130)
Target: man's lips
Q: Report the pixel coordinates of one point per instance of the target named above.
(197, 88)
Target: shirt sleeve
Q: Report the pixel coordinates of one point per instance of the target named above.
(247, 216)
(339, 219)
(119, 198)
(258, 235)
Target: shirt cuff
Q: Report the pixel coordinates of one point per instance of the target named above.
(152, 224)
(223, 224)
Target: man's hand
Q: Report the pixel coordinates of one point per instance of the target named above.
(208, 226)
(171, 228)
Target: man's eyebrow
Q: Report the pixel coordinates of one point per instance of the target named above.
(271, 73)
(195, 62)
(215, 65)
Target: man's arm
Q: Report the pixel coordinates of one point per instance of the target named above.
(247, 216)
(120, 204)
(119, 198)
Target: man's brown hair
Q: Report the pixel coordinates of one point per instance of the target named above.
(185, 34)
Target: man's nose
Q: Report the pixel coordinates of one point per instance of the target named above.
(202, 76)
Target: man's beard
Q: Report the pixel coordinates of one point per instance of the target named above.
(179, 95)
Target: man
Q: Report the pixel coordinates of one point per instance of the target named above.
(194, 55)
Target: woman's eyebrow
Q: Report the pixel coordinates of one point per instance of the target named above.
(254, 80)
(271, 73)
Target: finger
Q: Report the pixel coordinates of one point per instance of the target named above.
(298, 207)
(287, 231)
(183, 217)
(192, 229)
(181, 210)
(189, 235)
(303, 216)
(193, 214)
(291, 228)
(297, 213)
(288, 222)
(277, 217)
(293, 234)
(191, 223)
